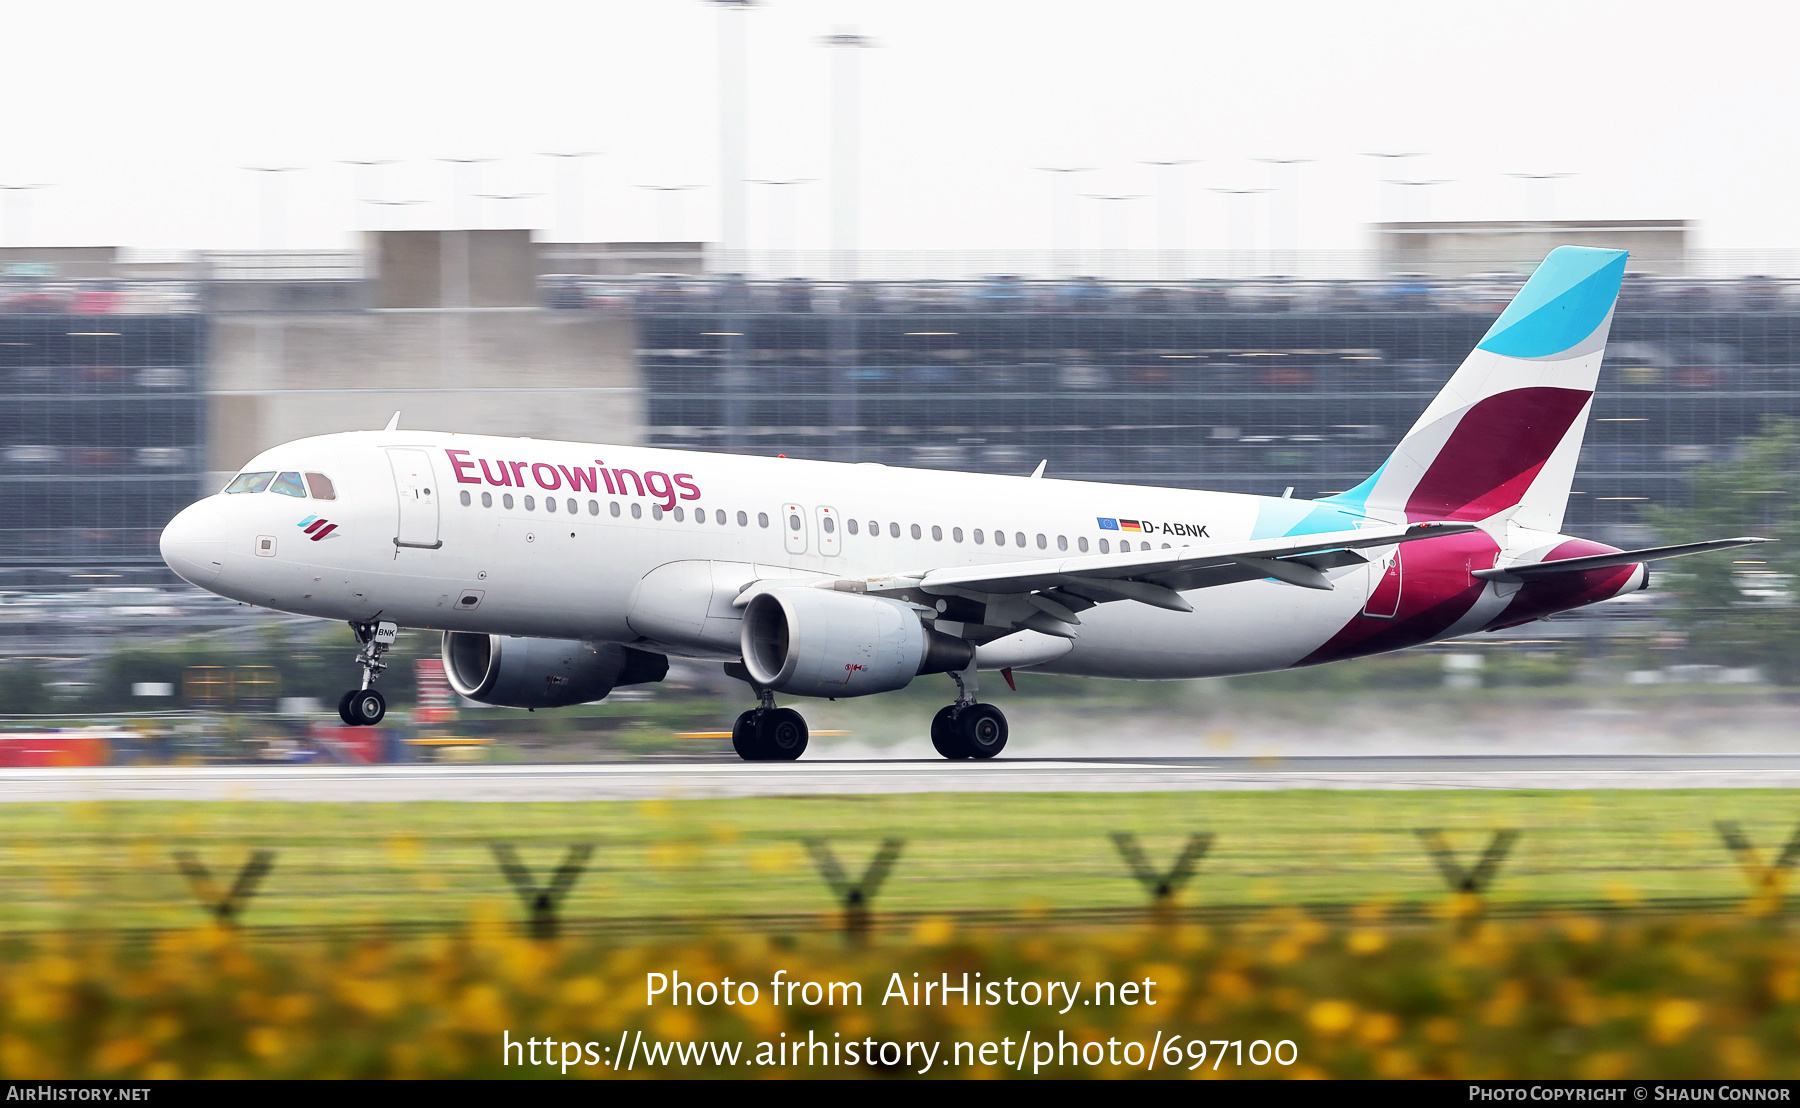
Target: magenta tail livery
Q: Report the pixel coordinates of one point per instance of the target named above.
(558, 571)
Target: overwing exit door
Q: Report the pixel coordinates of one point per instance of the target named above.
(416, 487)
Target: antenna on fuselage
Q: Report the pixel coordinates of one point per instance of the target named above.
(393, 424)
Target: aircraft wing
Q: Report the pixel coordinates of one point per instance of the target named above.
(1044, 594)
(1606, 561)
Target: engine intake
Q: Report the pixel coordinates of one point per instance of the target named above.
(814, 642)
(512, 672)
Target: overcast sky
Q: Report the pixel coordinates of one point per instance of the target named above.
(141, 116)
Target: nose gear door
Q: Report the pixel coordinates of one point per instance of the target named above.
(417, 489)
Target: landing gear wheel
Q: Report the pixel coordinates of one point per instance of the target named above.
(781, 733)
(943, 734)
(344, 708)
(743, 738)
(366, 708)
(982, 730)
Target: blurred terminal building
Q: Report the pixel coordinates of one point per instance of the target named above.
(136, 383)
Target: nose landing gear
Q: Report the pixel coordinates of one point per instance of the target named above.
(364, 707)
(967, 729)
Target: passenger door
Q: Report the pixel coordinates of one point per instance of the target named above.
(1384, 586)
(829, 524)
(793, 522)
(416, 487)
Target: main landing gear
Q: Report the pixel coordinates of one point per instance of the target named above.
(967, 729)
(364, 707)
(769, 734)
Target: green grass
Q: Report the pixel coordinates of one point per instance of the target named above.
(110, 864)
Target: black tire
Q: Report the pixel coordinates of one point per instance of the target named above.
(743, 738)
(944, 738)
(781, 733)
(367, 707)
(344, 708)
(982, 729)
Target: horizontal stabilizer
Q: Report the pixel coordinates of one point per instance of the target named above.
(1606, 561)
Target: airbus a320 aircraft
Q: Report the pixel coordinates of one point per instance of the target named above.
(558, 571)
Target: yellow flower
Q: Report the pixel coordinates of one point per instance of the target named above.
(1671, 1019)
(1330, 1017)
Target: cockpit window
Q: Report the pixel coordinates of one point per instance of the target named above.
(320, 486)
(288, 484)
(250, 482)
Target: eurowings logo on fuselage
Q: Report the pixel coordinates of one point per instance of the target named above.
(316, 528)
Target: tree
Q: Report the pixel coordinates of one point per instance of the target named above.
(1740, 608)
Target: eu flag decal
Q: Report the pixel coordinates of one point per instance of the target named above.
(1108, 524)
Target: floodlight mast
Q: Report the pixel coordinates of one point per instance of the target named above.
(846, 159)
(568, 199)
(733, 130)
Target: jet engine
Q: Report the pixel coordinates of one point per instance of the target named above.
(814, 642)
(513, 672)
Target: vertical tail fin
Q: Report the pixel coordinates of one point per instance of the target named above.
(1506, 431)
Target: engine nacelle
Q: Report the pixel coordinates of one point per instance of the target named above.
(512, 672)
(817, 642)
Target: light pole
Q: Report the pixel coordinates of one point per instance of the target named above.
(1170, 231)
(846, 161)
(733, 125)
(1286, 197)
(462, 188)
(669, 222)
(380, 224)
(358, 192)
(568, 191)
(503, 197)
(1405, 204)
(782, 223)
(23, 194)
(1549, 193)
(1124, 226)
(1235, 249)
(1065, 217)
(1396, 160)
(274, 217)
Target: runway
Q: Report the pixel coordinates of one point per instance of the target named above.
(703, 779)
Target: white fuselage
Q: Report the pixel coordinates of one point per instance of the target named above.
(404, 547)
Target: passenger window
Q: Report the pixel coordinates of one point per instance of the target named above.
(506, 501)
(1165, 546)
(681, 514)
(637, 511)
(250, 482)
(828, 525)
(793, 522)
(656, 511)
(574, 508)
(1105, 547)
(1081, 545)
(1042, 544)
(549, 503)
(719, 517)
(614, 509)
(743, 520)
(851, 524)
(1143, 546)
(1019, 538)
(1062, 542)
(937, 533)
(320, 486)
(874, 529)
(893, 530)
(531, 504)
(288, 484)
(977, 536)
(956, 534)
(762, 519)
(915, 531)
(466, 498)
(999, 538)
(593, 507)
(487, 500)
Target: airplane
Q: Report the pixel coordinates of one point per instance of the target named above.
(559, 571)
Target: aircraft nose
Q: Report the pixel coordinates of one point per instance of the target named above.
(193, 544)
